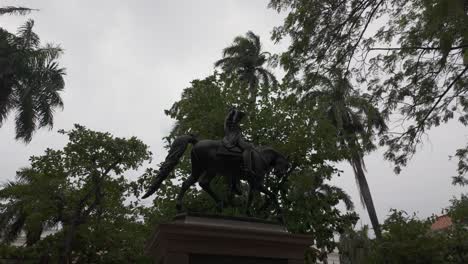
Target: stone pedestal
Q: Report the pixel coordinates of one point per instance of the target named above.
(196, 239)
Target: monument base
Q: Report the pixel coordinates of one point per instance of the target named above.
(196, 239)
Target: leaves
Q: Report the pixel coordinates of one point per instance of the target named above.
(80, 187)
(15, 10)
(243, 62)
(309, 204)
(409, 239)
(31, 80)
(421, 80)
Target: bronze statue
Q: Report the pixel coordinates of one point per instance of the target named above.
(233, 139)
(231, 157)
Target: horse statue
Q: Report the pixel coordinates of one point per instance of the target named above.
(211, 158)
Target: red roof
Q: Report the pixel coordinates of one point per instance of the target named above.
(442, 222)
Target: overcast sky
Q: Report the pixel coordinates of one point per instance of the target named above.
(127, 61)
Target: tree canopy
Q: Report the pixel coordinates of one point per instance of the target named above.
(411, 56)
(309, 202)
(244, 61)
(409, 239)
(31, 78)
(82, 190)
(354, 70)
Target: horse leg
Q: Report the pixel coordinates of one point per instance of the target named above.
(266, 204)
(205, 184)
(191, 180)
(272, 197)
(231, 193)
(249, 201)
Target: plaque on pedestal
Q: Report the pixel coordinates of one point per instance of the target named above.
(196, 239)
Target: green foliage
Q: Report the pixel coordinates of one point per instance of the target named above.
(429, 87)
(310, 207)
(317, 63)
(30, 80)
(82, 190)
(407, 239)
(309, 203)
(422, 80)
(243, 62)
(462, 156)
(355, 246)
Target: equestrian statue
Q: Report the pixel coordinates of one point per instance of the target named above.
(232, 157)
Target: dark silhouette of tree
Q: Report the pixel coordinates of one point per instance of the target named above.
(244, 61)
(30, 80)
(355, 120)
(15, 10)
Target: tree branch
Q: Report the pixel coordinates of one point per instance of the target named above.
(421, 123)
(362, 34)
(111, 167)
(97, 189)
(420, 48)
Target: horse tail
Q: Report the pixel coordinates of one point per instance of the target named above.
(176, 151)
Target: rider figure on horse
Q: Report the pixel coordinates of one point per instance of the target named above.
(233, 138)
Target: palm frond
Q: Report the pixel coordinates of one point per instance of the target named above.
(10, 190)
(238, 49)
(6, 102)
(15, 10)
(25, 175)
(340, 193)
(255, 39)
(459, 180)
(267, 77)
(14, 228)
(7, 69)
(26, 116)
(26, 37)
(243, 60)
(49, 52)
(227, 62)
(45, 114)
(343, 196)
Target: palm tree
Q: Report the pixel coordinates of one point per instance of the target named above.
(25, 207)
(356, 120)
(244, 60)
(354, 246)
(30, 80)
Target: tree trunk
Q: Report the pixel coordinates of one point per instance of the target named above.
(65, 255)
(365, 193)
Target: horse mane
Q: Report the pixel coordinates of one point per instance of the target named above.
(268, 148)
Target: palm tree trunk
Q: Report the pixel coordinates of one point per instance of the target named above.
(356, 163)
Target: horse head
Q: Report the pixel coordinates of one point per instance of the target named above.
(276, 161)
